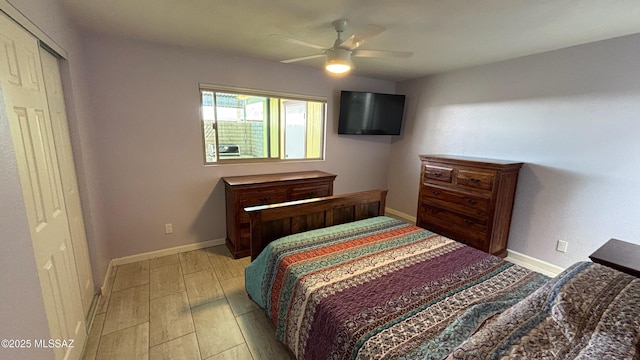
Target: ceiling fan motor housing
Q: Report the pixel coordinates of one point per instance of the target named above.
(340, 58)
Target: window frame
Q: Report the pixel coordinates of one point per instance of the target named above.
(269, 94)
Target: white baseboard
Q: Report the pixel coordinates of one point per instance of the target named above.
(154, 254)
(170, 251)
(534, 264)
(103, 288)
(404, 216)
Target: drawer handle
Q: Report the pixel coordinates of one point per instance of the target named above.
(312, 193)
(474, 180)
(436, 193)
(468, 222)
(264, 200)
(437, 174)
(471, 201)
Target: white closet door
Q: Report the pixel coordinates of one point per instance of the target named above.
(31, 130)
(55, 98)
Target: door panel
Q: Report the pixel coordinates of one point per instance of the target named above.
(9, 61)
(58, 113)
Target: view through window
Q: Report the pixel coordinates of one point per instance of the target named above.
(245, 125)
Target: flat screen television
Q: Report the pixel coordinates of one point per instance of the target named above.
(366, 113)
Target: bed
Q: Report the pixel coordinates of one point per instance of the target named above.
(340, 281)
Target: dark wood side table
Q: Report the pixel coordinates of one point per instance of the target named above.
(619, 255)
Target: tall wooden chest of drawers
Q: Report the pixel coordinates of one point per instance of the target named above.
(252, 190)
(468, 199)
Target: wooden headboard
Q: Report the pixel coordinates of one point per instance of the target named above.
(271, 222)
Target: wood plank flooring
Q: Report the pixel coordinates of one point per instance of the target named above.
(187, 306)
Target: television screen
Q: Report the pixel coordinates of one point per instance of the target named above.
(365, 113)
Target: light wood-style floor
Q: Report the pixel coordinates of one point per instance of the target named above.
(190, 305)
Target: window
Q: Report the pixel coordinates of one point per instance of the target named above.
(249, 125)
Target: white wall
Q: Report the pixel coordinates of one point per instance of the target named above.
(147, 139)
(572, 116)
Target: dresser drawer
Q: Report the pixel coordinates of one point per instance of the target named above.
(466, 229)
(438, 173)
(309, 191)
(459, 201)
(262, 197)
(475, 179)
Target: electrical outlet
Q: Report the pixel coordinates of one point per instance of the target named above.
(562, 246)
(168, 228)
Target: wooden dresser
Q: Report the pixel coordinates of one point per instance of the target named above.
(252, 190)
(468, 199)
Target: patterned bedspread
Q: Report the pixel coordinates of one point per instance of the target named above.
(588, 312)
(381, 289)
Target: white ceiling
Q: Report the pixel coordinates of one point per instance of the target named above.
(443, 34)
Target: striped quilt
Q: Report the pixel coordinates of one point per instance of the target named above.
(589, 311)
(379, 289)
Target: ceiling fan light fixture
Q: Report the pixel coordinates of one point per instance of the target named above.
(337, 68)
(338, 61)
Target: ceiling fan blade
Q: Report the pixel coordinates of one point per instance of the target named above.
(381, 53)
(288, 61)
(298, 42)
(356, 40)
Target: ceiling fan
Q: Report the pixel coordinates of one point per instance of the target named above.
(338, 57)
